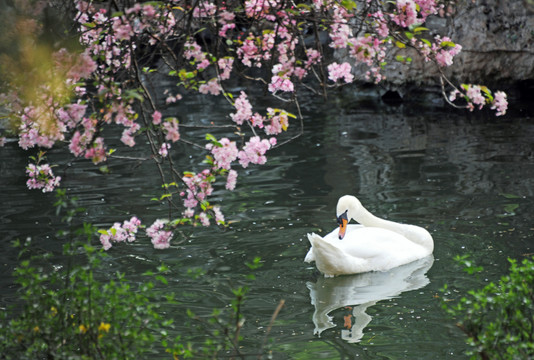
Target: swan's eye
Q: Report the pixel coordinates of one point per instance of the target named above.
(342, 217)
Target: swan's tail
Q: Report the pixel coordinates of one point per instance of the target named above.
(332, 260)
(310, 256)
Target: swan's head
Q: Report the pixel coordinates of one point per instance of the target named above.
(347, 208)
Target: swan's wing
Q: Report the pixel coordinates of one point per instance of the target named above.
(310, 256)
(373, 243)
(334, 234)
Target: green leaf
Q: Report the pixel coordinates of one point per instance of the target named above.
(164, 196)
(420, 29)
(448, 43)
(400, 45)
(348, 4)
(162, 279)
(510, 196)
(510, 208)
(428, 43)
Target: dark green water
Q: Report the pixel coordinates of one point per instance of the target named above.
(469, 179)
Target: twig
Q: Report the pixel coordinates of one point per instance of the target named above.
(269, 328)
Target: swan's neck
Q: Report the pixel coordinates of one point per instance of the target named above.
(415, 234)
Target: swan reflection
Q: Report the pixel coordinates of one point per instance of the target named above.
(361, 291)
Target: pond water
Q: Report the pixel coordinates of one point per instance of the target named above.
(467, 178)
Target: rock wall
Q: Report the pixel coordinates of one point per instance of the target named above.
(497, 38)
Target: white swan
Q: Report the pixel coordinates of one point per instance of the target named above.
(374, 245)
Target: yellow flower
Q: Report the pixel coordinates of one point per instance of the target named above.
(82, 328)
(53, 311)
(104, 327)
(36, 329)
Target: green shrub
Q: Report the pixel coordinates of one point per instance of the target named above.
(66, 310)
(65, 313)
(499, 318)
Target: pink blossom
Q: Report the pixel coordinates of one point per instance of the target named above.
(314, 57)
(225, 65)
(122, 29)
(75, 144)
(149, 11)
(204, 219)
(257, 120)
(445, 51)
(156, 118)
(164, 149)
(41, 177)
(244, 109)
(225, 154)
(500, 103)
(224, 29)
(194, 51)
(204, 9)
(249, 52)
(427, 7)
(128, 135)
(97, 153)
(406, 14)
(211, 87)
(254, 152)
(219, 217)
(160, 238)
(231, 180)
(226, 16)
(475, 96)
(337, 71)
(83, 68)
(120, 233)
(278, 121)
(281, 83)
(76, 111)
(188, 213)
(171, 128)
(203, 64)
(198, 187)
(367, 49)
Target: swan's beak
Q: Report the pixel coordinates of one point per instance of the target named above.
(342, 220)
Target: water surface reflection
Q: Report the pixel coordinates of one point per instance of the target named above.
(360, 292)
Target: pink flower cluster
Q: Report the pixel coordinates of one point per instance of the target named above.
(244, 109)
(194, 51)
(406, 13)
(254, 151)
(337, 71)
(224, 153)
(164, 150)
(500, 103)
(231, 180)
(160, 237)
(170, 128)
(478, 96)
(120, 232)
(211, 87)
(225, 67)
(198, 188)
(41, 177)
(410, 12)
(444, 50)
(278, 122)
